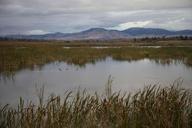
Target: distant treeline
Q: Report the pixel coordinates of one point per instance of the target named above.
(164, 38)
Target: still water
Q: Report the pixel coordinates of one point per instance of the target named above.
(57, 77)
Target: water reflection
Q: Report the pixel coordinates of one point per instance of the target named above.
(58, 77)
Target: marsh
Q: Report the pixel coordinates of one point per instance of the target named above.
(25, 67)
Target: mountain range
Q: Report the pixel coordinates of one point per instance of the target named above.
(105, 34)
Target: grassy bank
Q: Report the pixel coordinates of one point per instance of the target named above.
(152, 107)
(18, 55)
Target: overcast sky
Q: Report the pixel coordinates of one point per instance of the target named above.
(45, 16)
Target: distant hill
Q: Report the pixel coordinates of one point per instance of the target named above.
(105, 34)
(148, 32)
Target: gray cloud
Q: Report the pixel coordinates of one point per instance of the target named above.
(26, 16)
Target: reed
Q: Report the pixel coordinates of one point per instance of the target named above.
(16, 56)
(151, 107)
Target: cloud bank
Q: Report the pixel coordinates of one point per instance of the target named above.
(42, 16)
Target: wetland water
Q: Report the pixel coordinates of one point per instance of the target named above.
(57, 77)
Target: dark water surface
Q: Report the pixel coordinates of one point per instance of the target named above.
(58, 77)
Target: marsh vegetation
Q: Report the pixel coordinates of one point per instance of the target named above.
(153, 106)
(18, 55)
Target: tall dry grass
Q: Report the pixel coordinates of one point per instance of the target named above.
(151, 107)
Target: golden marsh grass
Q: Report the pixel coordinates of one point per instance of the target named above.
(151, 107)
